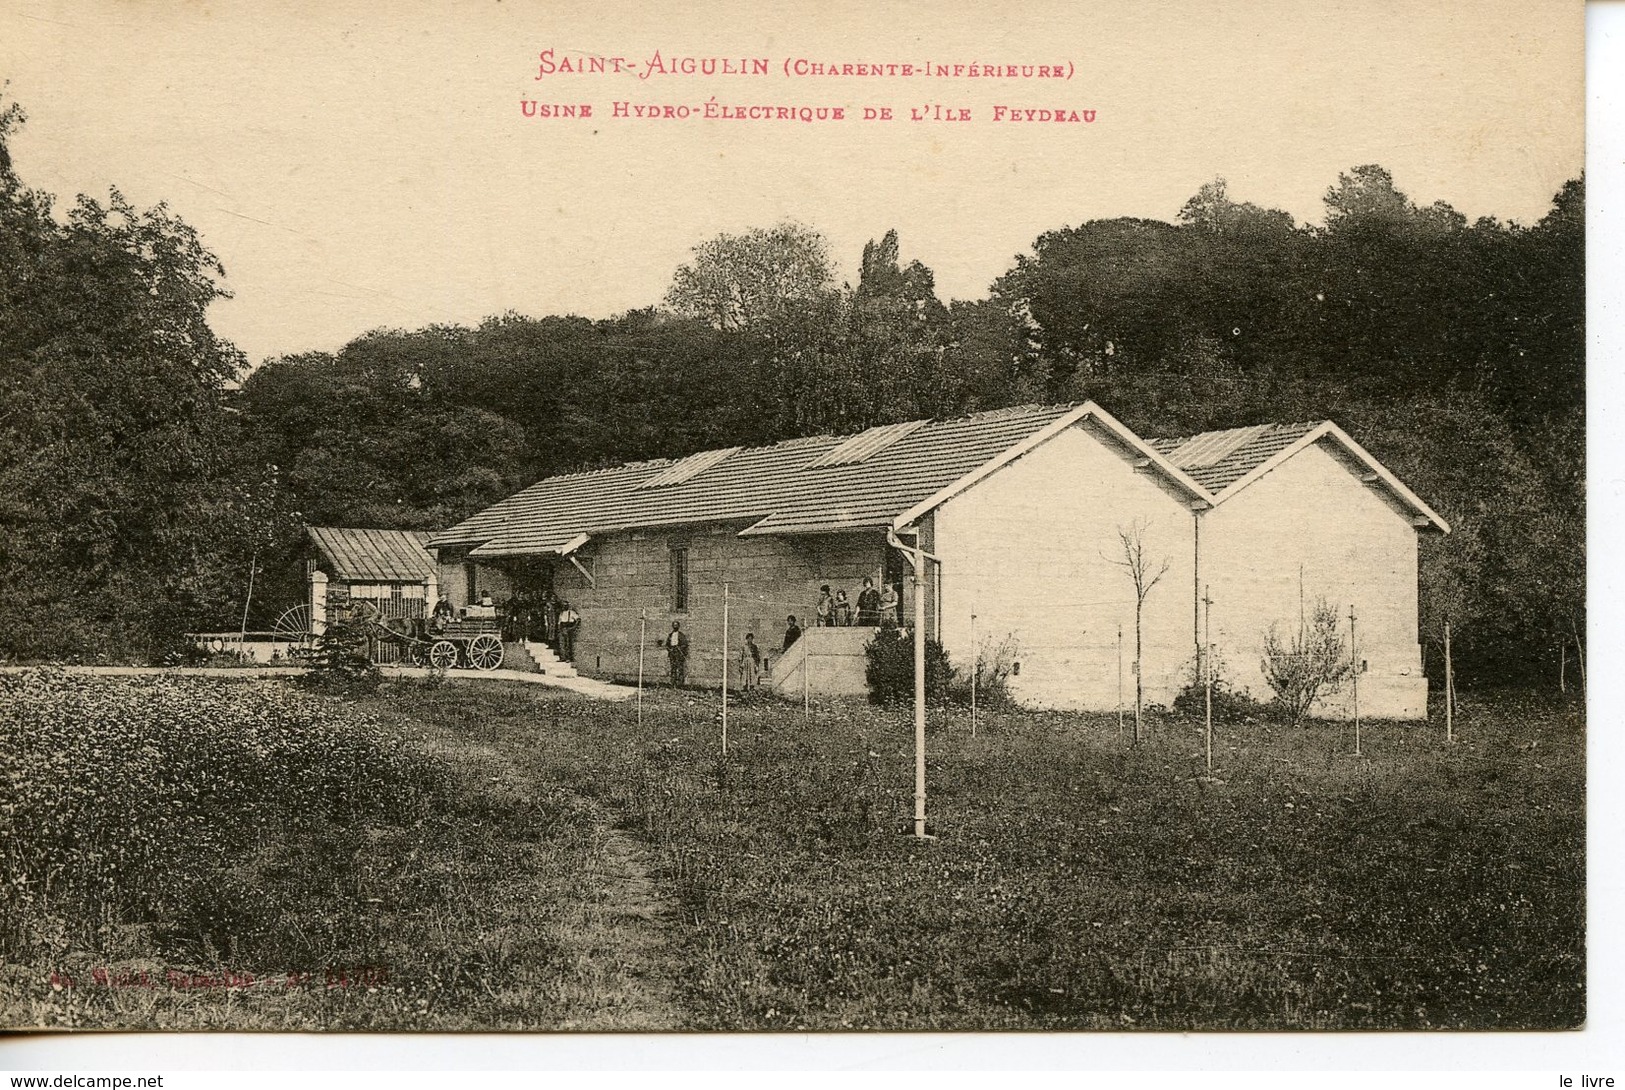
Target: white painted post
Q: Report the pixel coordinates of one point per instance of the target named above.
(1354, 654)
(318, 601)
(919, 687)
(1119, 683)
(643, 641)
(725, 650)
(975, 672)
(1207, 666)
(936, 585)
(806, 677)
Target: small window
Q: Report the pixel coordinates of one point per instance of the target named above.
(679, 578)
(471, 583)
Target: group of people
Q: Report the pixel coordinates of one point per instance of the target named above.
(751, 661)
(872, 609)
(550, 619)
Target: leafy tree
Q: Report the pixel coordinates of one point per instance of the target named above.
(990, 359)
(896, 333)
(124, 513)
(755, 279)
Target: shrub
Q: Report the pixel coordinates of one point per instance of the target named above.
(1314, 663)
(889, 668)
(994, 662)
(1229, 703)
(342, 662)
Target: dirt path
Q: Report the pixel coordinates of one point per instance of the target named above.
(622, 971)
(626, 936)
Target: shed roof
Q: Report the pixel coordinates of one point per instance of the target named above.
(799, 486)
(374, 556)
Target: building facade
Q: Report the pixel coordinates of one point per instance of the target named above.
(1053, 539)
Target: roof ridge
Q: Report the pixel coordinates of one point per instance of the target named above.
(1008, 412)
(1277, 425)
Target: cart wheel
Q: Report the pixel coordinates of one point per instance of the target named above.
(485, 653)
(442, 654)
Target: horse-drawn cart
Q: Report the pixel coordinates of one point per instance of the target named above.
(473, 643)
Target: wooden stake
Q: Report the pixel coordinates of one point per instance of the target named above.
(1449, 690)
(242, 635)
(643, 641)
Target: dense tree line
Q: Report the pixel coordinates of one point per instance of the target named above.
(1453, 350)
(126, 511)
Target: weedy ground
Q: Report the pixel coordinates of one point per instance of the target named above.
(535, 860)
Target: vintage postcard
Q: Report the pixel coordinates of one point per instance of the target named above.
(836, 517)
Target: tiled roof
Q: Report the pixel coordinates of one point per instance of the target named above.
(1218, 459)
(778, 488)
(374, 556)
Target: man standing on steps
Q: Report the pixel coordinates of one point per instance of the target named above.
(677, 653)
(569, 619)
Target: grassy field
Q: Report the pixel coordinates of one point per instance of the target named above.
(547, 863)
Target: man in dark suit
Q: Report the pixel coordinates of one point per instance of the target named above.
(677, 653)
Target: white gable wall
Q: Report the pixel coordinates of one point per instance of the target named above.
(1033, 551)
(1352, 544)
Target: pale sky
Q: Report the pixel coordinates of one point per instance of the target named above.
(365, 165)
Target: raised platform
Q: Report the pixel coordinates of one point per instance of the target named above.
(823, 662)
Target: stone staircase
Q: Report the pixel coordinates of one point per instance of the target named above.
(547, 662)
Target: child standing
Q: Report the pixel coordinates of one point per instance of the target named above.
(750, 662)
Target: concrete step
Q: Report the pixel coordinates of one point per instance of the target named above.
(516, 656)
(548, 661)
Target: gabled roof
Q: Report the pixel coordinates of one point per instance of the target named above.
(1218, 459)
(374, 556)
(1228, 461)
(793, 487)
